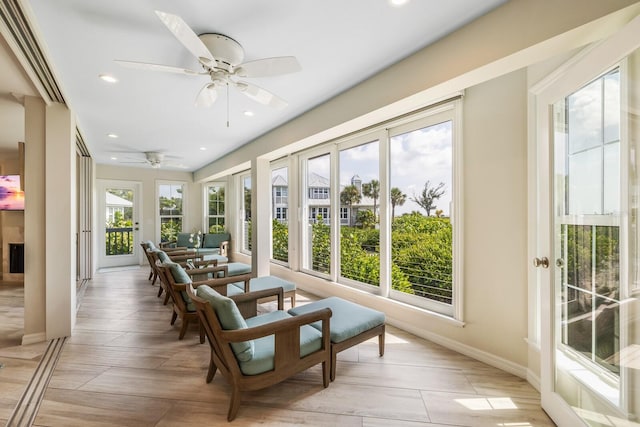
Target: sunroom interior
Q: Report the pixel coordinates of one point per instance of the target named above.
(464, 111)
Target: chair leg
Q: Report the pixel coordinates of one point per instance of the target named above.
(333, 364)
(159, 291)
(201, 327)
(155, 276)
(325, 374)
(174, 316)
(235, 404)
(212, 369)
(166, 298)
(381, 343)
(183, 329)
(150, 274)
(293, 300)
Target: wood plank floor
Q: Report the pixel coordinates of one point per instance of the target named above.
(124, 366)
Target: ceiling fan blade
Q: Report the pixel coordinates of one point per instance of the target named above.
(207, 96)
(156, 67)
(269, 67)
(260, 95)
(187, 37)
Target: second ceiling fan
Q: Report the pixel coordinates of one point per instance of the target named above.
(221, 59)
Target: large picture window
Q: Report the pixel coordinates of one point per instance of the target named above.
(421, 195)
(245, 197)
(279, 214)
(359, 203)
(170, 210)
(378, 210)
(216, 208)
(316, 228)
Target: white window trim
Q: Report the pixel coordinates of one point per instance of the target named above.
(281, 164)
(205, 196)
(159, 217)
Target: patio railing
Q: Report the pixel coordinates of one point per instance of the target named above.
(119, 241)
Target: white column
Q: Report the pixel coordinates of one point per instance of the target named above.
(34, 221)
(59, 238)
(260, 217)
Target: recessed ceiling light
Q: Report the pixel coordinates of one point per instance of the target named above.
(203, 148)
(398, 3)
(248, 113)
(114, 158)
(112, 135)
(108, 78)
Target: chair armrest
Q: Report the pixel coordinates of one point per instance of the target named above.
(185, 257)
(167, 244)
(248, 302)
(201, 264)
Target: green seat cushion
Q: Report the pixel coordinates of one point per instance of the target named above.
(264, 351)
(348, 319)
(230, 319)
(214, 256)
(213, 240)
(237, 268)
(267, 282)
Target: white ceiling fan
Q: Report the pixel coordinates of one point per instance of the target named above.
(221, 59)
(155, 159)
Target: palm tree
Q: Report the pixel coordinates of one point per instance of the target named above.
(397, 199)
(372, 189)
(428, 196)
(350, 196)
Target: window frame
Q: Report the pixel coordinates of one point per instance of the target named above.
(159, 217)
(450, 110)
(274, 166)
(207, 217)
(242, 231)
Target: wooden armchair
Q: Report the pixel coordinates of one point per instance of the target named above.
(262, 350)
(152, 272)
(176, 279)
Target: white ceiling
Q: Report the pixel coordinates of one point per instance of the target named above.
(338, 44)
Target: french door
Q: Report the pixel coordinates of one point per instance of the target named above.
(588, 143)
(118, 212)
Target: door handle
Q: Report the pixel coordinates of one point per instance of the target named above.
(541, 262)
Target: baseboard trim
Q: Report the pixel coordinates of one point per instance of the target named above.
(34, 338)
(482, 356)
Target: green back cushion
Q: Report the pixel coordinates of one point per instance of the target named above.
(178, 273)
(230, 319)
(213, 240)
(183, 240)
(162, 256)
(181, 276)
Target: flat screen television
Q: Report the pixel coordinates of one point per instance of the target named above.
(11, 197)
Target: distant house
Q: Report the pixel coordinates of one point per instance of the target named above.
(318, 195)
(116, 204)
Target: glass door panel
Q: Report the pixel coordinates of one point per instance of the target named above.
(594, 274)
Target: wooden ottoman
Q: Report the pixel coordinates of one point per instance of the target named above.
(350, 324)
